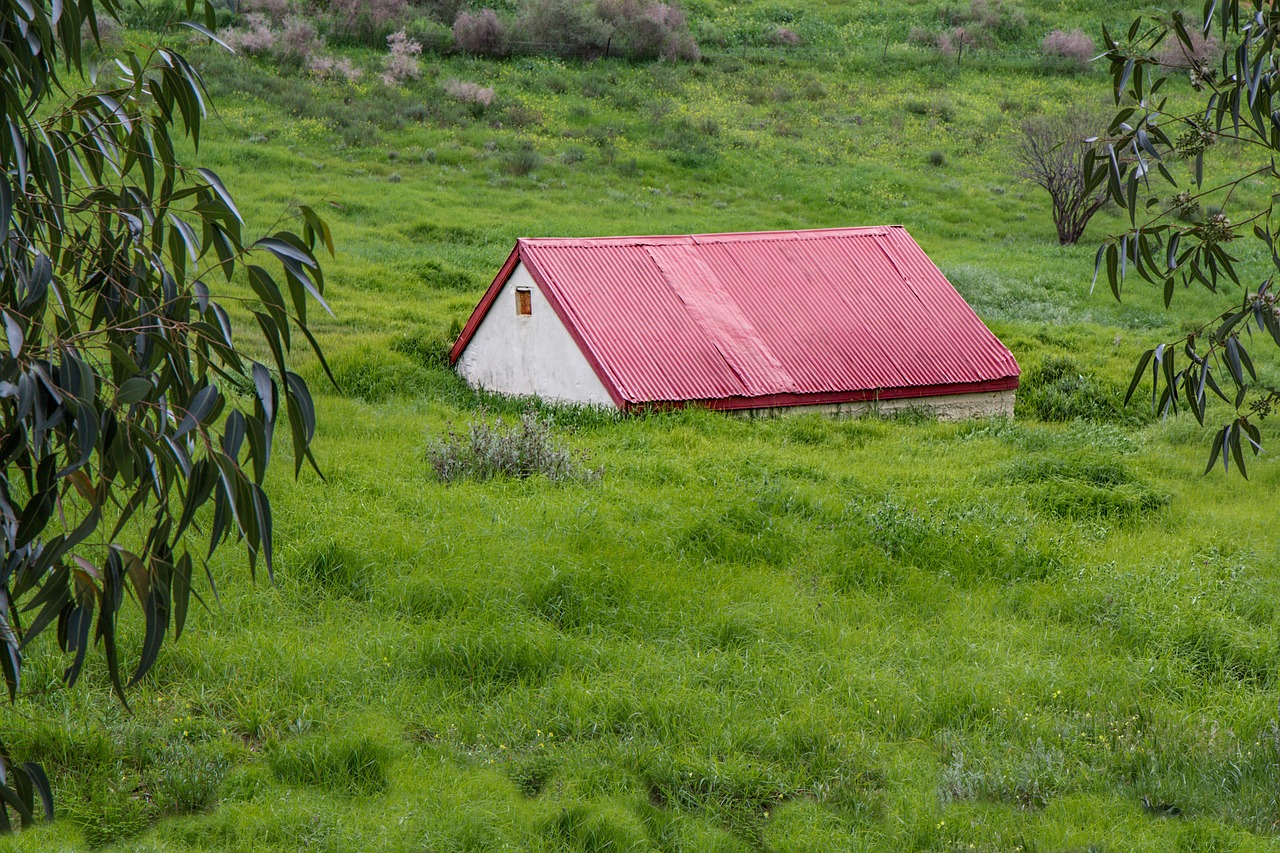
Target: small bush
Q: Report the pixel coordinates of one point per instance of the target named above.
(921, 37)
(481, 33)
(183, 780)
(469, 93)
(488, 450)
(440, 11)
(108, 40)
(328, 68)
(1075, 48)
(689, 145)
(937, 158)
(293, 42)
(298, 41)
(939, 108)
(1204, 50)
(784, 37)
(648, 30)
(523, 161)
(255, 37)
(986, 20)
(955, 41)
(401, 64)
(432, 35)
(275, 10)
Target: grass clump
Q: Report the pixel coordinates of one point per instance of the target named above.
(353, 764)
(427, 347)
(494, 449)
(374, 374)
(1060, 390)
(1083, 488)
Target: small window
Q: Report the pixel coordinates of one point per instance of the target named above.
(524, 301)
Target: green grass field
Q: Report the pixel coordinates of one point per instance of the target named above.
(793, 634)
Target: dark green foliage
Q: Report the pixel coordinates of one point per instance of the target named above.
(184, 779)
(1216, 649)
(331, 569)
(1081, 500)
(1060, 390)
(568, 27)
(968, 547)
(939, 108)
(523, 161)
(117, 432)
(746, 535)
(576, 600)
(532, 774)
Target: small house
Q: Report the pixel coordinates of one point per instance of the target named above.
(839, 320)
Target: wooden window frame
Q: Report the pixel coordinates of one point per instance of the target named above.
(524, 301)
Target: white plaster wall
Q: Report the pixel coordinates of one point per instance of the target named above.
(533, 355)
(946, 407)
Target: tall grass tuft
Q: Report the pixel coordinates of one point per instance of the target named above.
(1061, 390)
(353, 764)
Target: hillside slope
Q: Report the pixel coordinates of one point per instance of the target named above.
(1048, 634)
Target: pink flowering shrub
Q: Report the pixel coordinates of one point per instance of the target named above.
(401, 63)
(469, 93)
(328, 68)
(1204, 50)
(648, 30)
(1075, 47)
(254, 38)
(298, 40)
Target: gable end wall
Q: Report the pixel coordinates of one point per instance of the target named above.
(529, 356)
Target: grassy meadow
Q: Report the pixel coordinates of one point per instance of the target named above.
(1046, 634)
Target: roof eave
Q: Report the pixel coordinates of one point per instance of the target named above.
(1006, 383)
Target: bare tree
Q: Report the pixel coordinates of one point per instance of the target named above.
(1050, 154)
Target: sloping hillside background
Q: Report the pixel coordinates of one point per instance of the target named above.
(1047, 634)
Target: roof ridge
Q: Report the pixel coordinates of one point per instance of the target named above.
(781, 234)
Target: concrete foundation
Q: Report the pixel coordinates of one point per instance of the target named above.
(945, 407)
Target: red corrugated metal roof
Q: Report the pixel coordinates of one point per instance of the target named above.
(757, 319)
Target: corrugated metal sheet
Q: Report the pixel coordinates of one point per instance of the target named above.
(787, 316)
